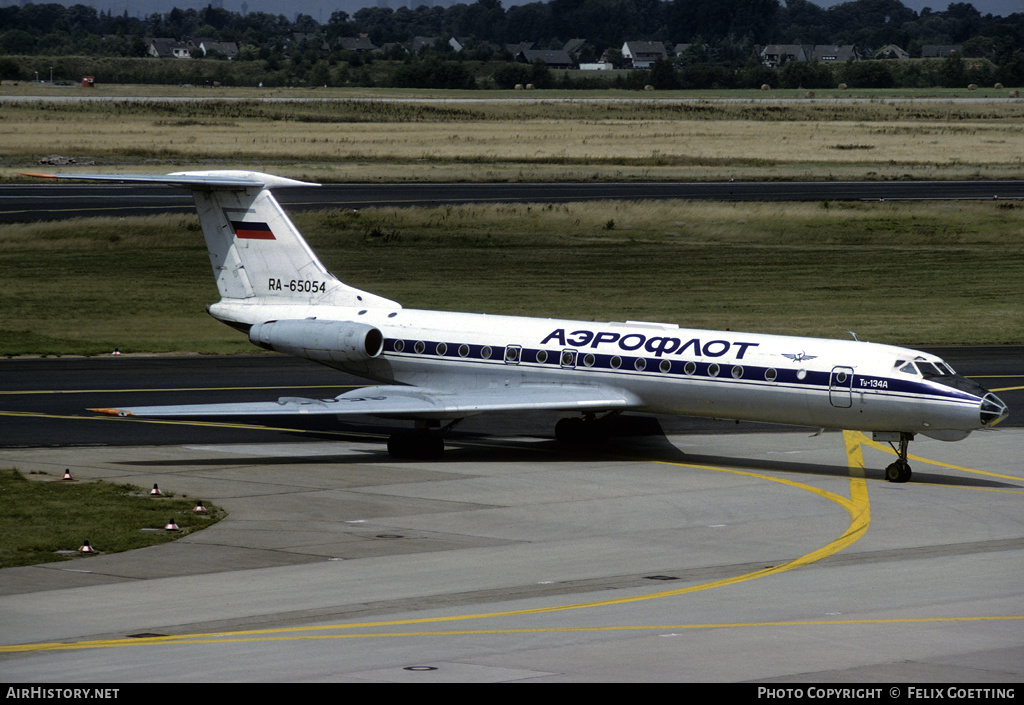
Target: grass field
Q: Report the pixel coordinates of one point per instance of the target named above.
(908, 273)
(337, 135)
(912, 273)
(46, 519)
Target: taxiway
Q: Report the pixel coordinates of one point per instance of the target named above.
(700, 555)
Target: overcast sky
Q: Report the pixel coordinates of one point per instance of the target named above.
(321, 10)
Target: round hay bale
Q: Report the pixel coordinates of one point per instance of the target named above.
(519, 86)
(648, 87)
(972, 87)
(809, 94)
(1015, 93)
(530, 86)
(843, 86)
(998, 86)
(765, 87)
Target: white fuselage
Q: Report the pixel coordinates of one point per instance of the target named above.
(815, 382)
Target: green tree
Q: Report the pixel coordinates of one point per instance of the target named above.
(806, 74)
(10, 70)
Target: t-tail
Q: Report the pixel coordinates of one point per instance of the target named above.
(258, 255)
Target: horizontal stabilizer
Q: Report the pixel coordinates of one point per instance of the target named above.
(257, 253)
(408, 402)
(199, 180)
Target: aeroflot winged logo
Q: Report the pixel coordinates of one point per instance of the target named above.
(799, 357)
(252, 231)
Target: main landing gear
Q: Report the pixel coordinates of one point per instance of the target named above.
(899, 471)
(421, 444)
(424, 443)
(589, 428)
(575, 430)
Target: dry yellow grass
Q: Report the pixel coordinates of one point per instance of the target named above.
(494, 143)
(538, 140)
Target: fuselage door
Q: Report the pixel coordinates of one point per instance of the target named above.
(840, 387)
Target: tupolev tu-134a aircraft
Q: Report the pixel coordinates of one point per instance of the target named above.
(437, 368)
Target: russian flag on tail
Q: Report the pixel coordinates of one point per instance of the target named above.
(252, 231)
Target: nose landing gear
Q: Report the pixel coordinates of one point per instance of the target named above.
(899, 471)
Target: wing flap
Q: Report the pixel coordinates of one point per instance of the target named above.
(408, 402)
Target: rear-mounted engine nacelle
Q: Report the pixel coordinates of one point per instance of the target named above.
(323, 341)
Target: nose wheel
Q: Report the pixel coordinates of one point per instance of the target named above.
(899, 471)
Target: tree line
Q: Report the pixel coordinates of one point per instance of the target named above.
(722, 34)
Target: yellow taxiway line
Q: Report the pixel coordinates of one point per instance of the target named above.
(857, 506)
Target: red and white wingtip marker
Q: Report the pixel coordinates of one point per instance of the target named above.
(86, 548)
(171, 526)
(67, 474)
(155, 492)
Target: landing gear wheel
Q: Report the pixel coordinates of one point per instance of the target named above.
(416, 445)
(898, 471)
(573, 430)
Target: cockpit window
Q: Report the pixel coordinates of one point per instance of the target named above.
(932, 369)
(923, 367)
(909, 369)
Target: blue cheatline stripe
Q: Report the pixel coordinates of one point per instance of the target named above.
(652, 367)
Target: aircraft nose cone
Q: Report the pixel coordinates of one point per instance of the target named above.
(993, 410)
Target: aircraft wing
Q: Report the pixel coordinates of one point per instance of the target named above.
(398, 401)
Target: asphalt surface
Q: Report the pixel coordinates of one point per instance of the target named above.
(710, 553)
(705, 554)
(52, 201)
(45, 402)
(744, 557)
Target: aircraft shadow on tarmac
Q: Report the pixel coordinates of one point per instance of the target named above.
(644, 441)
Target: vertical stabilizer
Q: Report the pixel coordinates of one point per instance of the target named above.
(256, 251)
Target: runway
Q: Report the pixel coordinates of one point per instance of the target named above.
(55, 201)
(713, 553)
